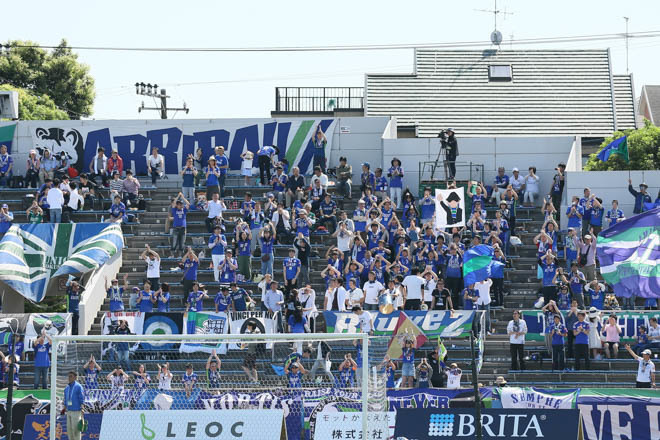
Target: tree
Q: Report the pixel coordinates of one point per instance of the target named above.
(32, 106)
(643, 151)
(57, 74)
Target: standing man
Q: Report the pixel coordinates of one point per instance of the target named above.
(413, 293)
(645, 370)
(73, 400)
(483, 302)
(344, 176)
(641, 196)
(320, 141)
(517, 329)
(55, 200)
(264, 158)
(581, 344)
(557, 187)
(223, 163)
(452, 152)
(74, 295)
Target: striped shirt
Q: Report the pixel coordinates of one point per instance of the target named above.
(116, 185)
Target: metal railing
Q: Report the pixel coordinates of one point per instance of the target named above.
(318, 99)
(436, 171)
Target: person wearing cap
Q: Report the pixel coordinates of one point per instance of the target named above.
(223, 164)
(115, 163)
(155, 165)
(454, 375)
(73, 406)
(645, 370)
(587, 252)
(6, 219)
(641, 197)
(344, 178)
(212, 175)
(581, 331)
(6, 166)
(500, 182)
(116, 294)
(557, 187)
(517, 182)
(217, 244)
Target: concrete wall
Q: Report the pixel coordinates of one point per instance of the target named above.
(609, 185)
(95, 293)
(544, 153)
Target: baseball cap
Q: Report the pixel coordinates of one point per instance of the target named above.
(4, 205)
(587, 237)
(515, 169)
(647, 351)
(366, 164)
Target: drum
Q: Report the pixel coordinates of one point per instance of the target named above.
(386, 304)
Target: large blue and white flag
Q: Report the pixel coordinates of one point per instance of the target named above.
(629, 255)
(33, 256)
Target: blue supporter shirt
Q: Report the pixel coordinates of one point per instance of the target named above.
(360, 226)
(597, 298)
(244, 247)
(238, 297)
(91, 378)
(614, 216)
(454, 266)
(368, 179)
(222, 161)
(196, 301)
(581, 338)
(380, 184)
(575, 221)
(218, 249)
(188, 177)
(548, 272)
(116, 302)
(291, 264)
(163, 306)
(212, 179)
(563, 301)
(42, 355)
(179, 216)
(347, 377)
(395, 181)
(117, 210)
(302, 226)
(266, 245)
(327, 208)
(295, 379)
(468, 304)
(596, 218)
(587, 212)
(190, 267)
(386, 216)
(408, 356)
(427, 208)
(189, 379)
(280, 184)
(389, 374)
(266, 150)
(146, 305)
(228, 274)
(5, 161)
(222, 302)
(297, 327)
(557, 339)
(73, 300)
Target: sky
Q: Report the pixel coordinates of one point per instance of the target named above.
(244, 83)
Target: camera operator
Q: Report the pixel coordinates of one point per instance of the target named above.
(449, 143)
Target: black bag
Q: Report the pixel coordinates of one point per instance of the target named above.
(257, 252)
(17, 182)
(582, 261)
(141, 204)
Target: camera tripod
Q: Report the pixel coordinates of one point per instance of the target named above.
(442, 153)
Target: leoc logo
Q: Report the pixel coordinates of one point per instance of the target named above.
(147, 433)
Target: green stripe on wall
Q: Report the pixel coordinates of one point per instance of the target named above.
(7, 133)
(296, 144)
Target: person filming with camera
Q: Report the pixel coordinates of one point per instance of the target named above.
(449, 143)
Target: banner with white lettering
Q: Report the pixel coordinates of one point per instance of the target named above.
(262, 321)
(77, 142)
(134, 321)
(332, 425)
(52, 323)
(529, 397)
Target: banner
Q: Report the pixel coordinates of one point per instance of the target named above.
(429, 397)
(10, 323)
(534, 398)
(421, 424)
(134, 140)
(434, 323)
(620, 417)
(99, 400)
(24, 403)
(186, 424)
(449, 208)
(37, 427)
(33, 257)
(53, 323)
(162, 324)
(134, 322)
(7, 135)
(205, 323)
(263, 320)
(336, 425)
(405, 331)
(629, 322)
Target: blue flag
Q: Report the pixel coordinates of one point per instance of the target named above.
(478, 264)
(618, 147)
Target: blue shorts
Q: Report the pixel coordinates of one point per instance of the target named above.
(408, 369)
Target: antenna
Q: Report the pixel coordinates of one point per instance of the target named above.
(495, 36)
(627, 36)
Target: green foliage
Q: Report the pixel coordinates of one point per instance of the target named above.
(643, 151)
(31, 106)
(57, 74)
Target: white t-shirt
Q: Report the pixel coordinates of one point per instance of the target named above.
(483, 287)
(164, 381)
(153, 267)
(354, 297)
(532, 184)
(155, 162)
(55, 198)
(215, 209)
(414, 284)
(371, 290)
(344, 241)
(644, 370)
(654, 332)
(341, 298)
(74, 199)
(454, 379)
(429, 286)
(323, 178)
(516, 184)
(522, 328)
(365, 322)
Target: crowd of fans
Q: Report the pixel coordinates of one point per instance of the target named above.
(387, 249)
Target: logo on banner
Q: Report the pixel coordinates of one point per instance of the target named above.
(441, 425)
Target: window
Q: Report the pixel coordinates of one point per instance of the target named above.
(500, 72)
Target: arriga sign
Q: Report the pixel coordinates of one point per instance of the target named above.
(192, 424)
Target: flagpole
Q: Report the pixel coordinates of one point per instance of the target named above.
(477, 396)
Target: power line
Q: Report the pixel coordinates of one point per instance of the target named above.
(447, 45)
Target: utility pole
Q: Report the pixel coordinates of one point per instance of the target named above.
(627, 36)
(152, 91)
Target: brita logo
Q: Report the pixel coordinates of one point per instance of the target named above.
(502, 426)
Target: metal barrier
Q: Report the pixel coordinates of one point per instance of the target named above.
(318, 99)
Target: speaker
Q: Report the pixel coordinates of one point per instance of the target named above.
(9, 104)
